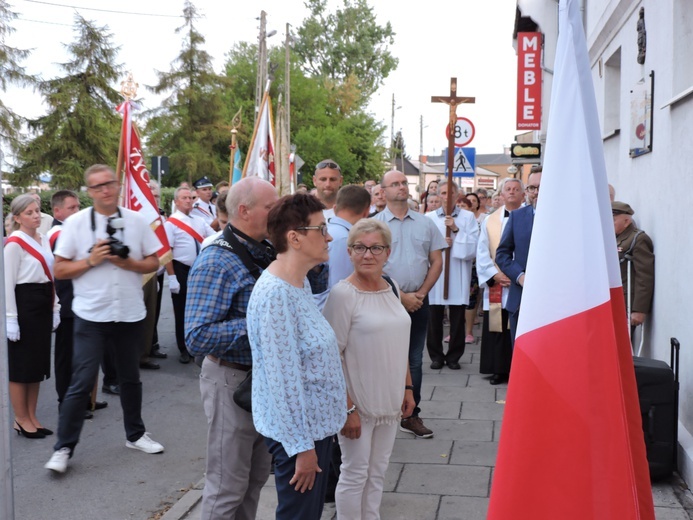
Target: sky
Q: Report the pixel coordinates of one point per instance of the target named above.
(467, 39)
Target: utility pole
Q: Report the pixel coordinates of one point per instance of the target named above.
(287, 81)
(6, 487)
(422, 179)
(261, 61)
(392, 134)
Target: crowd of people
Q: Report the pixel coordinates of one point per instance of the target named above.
(317, 305)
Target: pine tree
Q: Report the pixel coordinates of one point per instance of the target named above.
(191, 127)
(10, 72)
(81, 127)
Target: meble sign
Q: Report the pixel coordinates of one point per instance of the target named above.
(529, 80)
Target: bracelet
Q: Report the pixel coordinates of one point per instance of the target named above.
(351, 410)
(408, 387)
(89, 264)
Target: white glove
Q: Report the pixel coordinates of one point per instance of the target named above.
(12, 329)
(173, 284)
(56, 320)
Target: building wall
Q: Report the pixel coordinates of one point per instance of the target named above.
(657, 185)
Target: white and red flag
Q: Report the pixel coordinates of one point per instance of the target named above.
(260, 157)
(571, 444)
(136, 194)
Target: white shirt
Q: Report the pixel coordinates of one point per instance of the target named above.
(46, 223)
(205, 210)
(183, 245)
(462, 255)
(107, 293)
(21, 267)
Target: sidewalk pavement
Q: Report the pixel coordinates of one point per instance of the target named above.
(449, 476)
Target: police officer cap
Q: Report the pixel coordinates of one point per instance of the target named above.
(203, 182)
(618, 208)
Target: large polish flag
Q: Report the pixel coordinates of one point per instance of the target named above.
(571, 445)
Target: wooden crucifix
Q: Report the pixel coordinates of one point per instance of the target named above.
(452, 101)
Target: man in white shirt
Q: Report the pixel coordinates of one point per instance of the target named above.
(185, 233)
(203, 206)
(327, 180)
(108, 305)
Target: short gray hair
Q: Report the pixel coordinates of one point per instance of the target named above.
(178, 190)
(370, 225)
(242, 193)
(510, 179)
(19, 204)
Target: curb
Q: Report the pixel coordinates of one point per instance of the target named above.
(187, 503)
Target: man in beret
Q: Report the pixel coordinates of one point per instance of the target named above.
(634, 248)
(203, 206)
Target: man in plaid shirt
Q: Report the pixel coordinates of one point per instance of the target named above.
(219, 288)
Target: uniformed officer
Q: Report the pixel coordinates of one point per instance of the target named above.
(203, 206)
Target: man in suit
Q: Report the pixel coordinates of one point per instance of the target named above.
(511, 255)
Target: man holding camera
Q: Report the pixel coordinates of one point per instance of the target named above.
(104, 250)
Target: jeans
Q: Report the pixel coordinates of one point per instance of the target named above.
(417, 340)
(292, 504)
(91, 341)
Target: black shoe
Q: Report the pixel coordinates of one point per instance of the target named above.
(45, 431)
(184, 358)
(149, 365)
(158, 354)
(453, 365)
(498, 379)
(111, 389)
(436, 365)
(98, 405)
(88, 415)
(29, 435)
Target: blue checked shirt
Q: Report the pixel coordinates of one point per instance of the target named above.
(219, 288)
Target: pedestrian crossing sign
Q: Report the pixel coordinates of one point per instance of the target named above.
(464, 162)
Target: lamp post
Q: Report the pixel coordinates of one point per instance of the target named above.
(392, 133)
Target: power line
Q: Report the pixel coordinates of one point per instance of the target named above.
(41, 21)
(104, 10)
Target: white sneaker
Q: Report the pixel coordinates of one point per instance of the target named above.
(58, 461)
(145, 444)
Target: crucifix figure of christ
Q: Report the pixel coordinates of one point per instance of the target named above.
(452, 101)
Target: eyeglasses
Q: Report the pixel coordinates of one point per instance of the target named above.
(360, 249)
(104, 186)
(328, 164)
(322, 228)
(532, 189)
(397, 184)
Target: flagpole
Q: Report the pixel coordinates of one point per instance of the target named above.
(235, 125)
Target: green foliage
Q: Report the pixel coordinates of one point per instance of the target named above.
(346, 47)
(10, 72)
(84, 200)
(191, 127)
(81, 127)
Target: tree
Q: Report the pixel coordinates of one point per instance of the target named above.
(347, 47)
(319, 128)
(81, 127)
(192, 125)
(10, 72)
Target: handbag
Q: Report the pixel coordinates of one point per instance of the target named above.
(242, 396)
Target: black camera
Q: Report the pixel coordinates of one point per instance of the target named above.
(117, 247)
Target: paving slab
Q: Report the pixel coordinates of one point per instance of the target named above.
(468, 508)
(398, 506)
(440, 409)
(663, 495)
(422, 451)
(457, 429)
(488, 411)
(474, 453)
(668, 513)
(467, 394)
(445, 480)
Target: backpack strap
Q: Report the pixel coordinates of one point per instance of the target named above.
(392, 284)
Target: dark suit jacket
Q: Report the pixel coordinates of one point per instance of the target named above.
(512, 252)
(642, 268)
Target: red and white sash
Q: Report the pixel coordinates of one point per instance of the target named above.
(53, 235)
(185, 227)
(36, 250)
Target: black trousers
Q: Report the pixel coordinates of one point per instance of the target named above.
(181, 271)
(434, 340)
(159, 292)
(63, 356)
